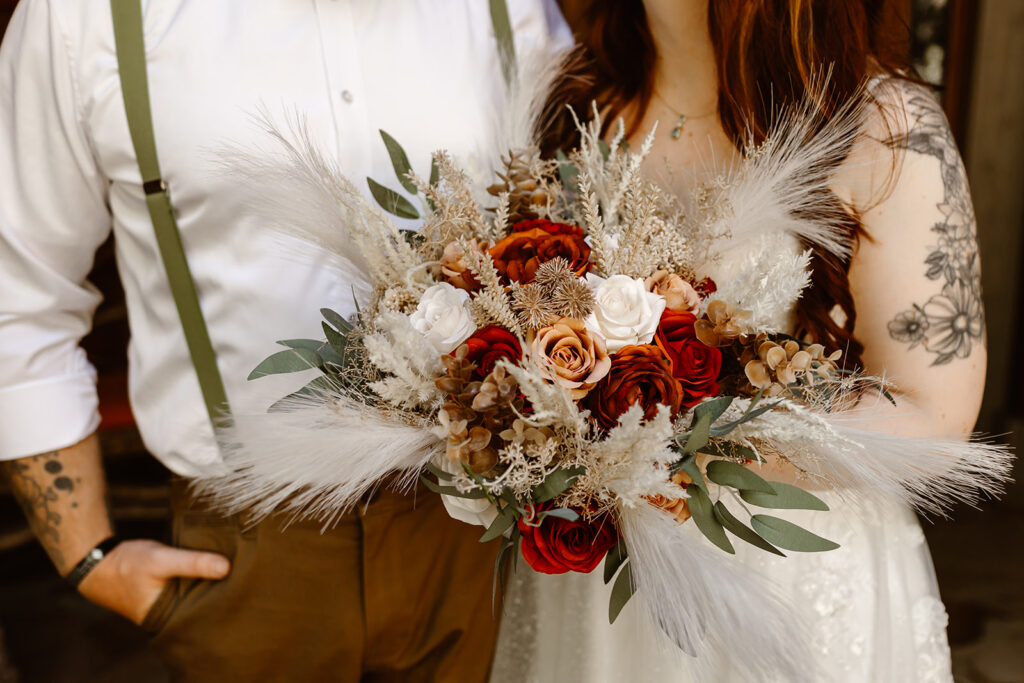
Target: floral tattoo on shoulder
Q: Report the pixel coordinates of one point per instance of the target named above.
(950, 323)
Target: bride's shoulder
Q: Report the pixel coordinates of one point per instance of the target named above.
(904, 139)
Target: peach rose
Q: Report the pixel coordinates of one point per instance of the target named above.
(679, 294)
(571, 356)
(454, 269)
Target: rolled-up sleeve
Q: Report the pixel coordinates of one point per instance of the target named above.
(53, 216)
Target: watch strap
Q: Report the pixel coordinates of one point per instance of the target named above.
(91, 559)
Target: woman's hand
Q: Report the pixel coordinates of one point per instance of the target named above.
(129, 579)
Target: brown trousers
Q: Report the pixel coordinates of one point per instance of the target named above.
(396, 591)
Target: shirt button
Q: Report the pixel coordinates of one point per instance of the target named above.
(347, 96)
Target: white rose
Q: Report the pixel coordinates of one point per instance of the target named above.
(469, 510)
(443, 316)
(624, 311)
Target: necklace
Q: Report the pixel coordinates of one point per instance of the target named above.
(683, 118)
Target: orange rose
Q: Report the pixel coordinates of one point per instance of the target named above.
(640, 375)
(571, 356)
(532, 243)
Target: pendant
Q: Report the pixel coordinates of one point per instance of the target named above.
(678, 130)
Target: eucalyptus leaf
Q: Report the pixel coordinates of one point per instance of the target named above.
(715, 407)
(732, 450)
(790, 536)
(742, 531)
(727, 473)
(785, 497)
(336, 320)
(622, 591)
(606, 151)
(567, 172)
(336, 340)
(435, 171)
(391, 201)
(699, 434)
(399, 161)
(704, 517)
(556, 483)
(289, 360)
(562, 513)
(317, 387)
(692, 469)
(438, 472)
(499, 569)
(413, 237)
(501, 523)
(614, 559)
(309, 344)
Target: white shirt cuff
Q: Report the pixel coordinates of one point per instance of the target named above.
(47, 415)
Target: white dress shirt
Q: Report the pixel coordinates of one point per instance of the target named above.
(426, 71)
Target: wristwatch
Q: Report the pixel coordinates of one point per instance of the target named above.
(91, 559)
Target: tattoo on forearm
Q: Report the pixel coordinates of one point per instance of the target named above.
(950, 323)
(39, 485)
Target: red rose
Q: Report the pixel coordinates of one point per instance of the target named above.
(695, 364)
(558, 546)
(488, 345)
(641, 375)
(532, 243)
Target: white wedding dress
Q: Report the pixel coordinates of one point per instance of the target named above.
(872, 607)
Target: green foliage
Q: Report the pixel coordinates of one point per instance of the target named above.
(399, 161)
(614, 560)
(703, 516)
(741, 530)
(622, 591)
(784, 497)
(289, 360)
(789, 536)
(727, 473)
(391, 201)
(557, 482)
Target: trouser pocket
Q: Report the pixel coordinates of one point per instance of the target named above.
(160, 612)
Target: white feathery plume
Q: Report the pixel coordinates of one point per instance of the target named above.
(768, 283)
(930, 474)
(304, 195)
(632, 459)
(411, 363)
(313, 456)
(835, 449)
(702, 599)
(783, 186)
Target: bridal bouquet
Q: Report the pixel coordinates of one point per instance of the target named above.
(550, 353)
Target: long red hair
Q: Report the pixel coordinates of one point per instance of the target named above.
(768, 53)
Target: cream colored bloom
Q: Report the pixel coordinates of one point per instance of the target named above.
(679, 294)
(624, 311)
(443, 317)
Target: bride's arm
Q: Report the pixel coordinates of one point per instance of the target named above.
(915, 280)
(915, 276)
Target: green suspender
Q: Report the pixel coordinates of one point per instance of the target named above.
(503, 32)
(131, 59)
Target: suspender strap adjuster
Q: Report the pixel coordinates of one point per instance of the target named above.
(154, 186)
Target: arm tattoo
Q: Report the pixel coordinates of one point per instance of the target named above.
(951, 322)
(38, 491)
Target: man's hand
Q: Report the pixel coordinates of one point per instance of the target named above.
(129, 579)
(63, 495)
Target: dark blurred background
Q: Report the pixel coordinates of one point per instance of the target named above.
(975, 51)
